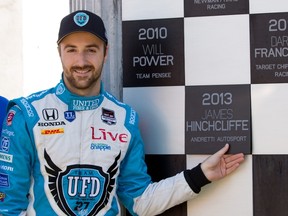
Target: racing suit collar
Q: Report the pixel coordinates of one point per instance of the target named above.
(78, 103)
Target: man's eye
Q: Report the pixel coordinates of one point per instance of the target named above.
(91, 50)
(70, 50)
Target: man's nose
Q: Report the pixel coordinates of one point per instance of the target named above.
(81, 59)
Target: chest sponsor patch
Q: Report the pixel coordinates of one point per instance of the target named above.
(108, 116)
(70, 115)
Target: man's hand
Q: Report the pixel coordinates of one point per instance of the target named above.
(219, 165)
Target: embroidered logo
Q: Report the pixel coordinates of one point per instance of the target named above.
(81, 19)
(5, 143)
(50, 114)
(81, 189)
(10, 117)
(52, 131)
(2, 196)
(4, 180)
(70, 115)
(108, 116)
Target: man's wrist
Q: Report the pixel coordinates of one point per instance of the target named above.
(196, 178)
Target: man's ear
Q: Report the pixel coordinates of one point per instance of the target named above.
(59, 50)
(106, 52)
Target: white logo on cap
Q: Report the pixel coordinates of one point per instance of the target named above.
(81, 19)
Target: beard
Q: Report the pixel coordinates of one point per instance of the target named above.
(86, 80)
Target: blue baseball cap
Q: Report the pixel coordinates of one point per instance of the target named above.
(82, 21)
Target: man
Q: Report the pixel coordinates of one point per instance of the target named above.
(75, 150)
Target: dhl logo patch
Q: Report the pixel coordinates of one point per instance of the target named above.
(52, 131)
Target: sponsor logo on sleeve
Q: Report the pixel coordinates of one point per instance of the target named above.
(2, 196)
(28, 108)
(5, 143)
(6, 157)
(4, 180)
(6, 168)
(132, 118)
(10, 117)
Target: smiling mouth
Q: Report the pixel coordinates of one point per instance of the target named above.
(82, 70)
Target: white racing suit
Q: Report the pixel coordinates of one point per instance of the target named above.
(62, 154)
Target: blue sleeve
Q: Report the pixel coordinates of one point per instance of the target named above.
(133, 178)
(16, 158)
(3, 111)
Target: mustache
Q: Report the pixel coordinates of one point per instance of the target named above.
(84, 67)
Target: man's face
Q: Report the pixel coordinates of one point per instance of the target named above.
(82, 55)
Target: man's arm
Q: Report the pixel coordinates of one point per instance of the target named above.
(15, 164)
(184, 186)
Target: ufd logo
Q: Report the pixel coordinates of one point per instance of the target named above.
(83, 182)
(86, 186)
(81, 188)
